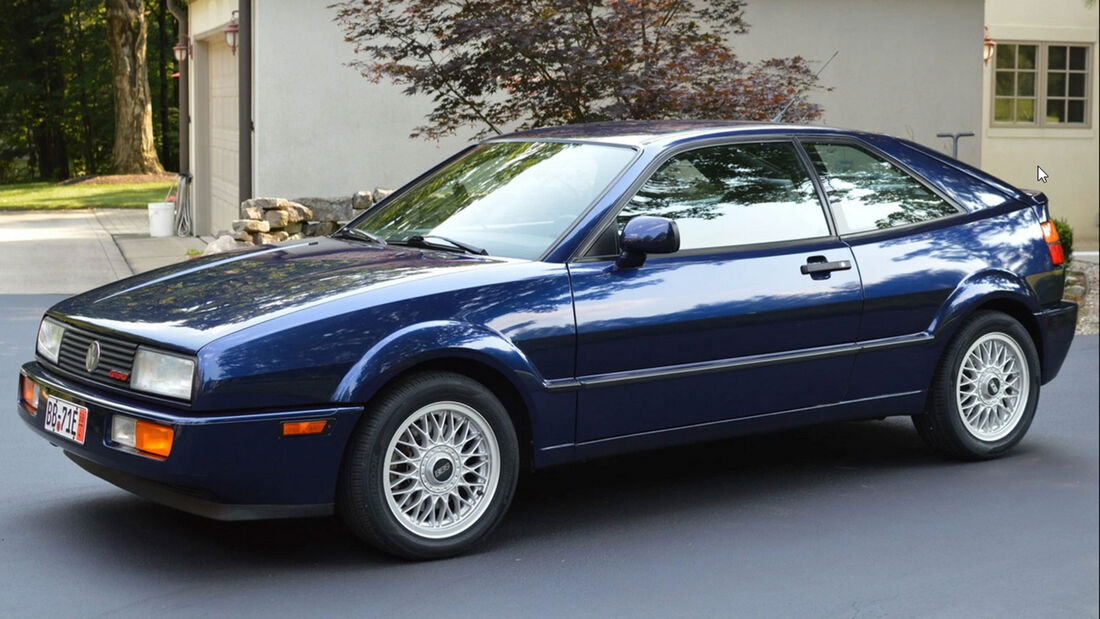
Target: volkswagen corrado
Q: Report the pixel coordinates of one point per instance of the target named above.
(557, 295)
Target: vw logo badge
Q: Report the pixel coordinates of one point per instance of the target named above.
(91, 358)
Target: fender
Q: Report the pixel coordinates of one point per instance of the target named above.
(438, 339)
(976, 290)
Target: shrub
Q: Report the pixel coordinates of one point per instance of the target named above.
(1065, 232)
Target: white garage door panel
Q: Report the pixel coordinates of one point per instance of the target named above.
(223, 139)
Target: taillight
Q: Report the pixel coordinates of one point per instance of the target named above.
(1050, 235)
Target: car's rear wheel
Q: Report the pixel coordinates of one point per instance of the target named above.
(432, 468)
(985, 389)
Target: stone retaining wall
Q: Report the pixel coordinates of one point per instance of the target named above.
(271, 220)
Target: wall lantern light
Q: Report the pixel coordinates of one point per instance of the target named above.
(231, 32)
(182, 50)
(988, 45)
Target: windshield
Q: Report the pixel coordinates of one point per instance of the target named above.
(508, 198)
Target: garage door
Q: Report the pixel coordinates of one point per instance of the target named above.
(222, 140)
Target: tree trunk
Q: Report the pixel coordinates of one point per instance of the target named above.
(135, 150)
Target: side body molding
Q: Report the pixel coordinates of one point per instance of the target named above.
(884, 370)
(551, 416)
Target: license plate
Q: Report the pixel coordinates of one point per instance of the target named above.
(64, 418)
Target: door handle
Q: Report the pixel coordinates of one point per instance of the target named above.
(814, 267)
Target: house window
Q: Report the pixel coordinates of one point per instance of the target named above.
(1041, 85)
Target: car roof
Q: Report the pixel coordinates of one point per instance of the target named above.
(650, 132)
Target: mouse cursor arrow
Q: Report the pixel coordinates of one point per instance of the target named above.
(1040, 175)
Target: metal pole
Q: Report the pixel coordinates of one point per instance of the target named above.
(183, 86)
(184, 223)
(955, 141)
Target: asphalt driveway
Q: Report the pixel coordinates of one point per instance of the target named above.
(844, 520)
(70, 251)
(56, 252)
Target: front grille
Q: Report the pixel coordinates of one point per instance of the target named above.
(114, 354)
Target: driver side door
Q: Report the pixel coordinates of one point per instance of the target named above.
(733, 325)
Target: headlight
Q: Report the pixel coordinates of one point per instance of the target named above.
(49, 339)
(163, 374)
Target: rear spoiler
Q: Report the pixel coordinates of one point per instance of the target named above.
(1039, 203)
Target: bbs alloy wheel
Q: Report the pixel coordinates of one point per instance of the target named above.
(991, 387)
(985, 390)
(442, 469)
(431, 469)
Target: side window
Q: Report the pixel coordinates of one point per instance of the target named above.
(735, 194)
(867, 192)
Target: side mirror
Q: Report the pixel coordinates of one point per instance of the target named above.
(647, 235)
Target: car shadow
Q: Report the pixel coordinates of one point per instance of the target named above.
(763, 472)
(766, 472)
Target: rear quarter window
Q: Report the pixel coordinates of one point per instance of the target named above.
(970, 187)
(867, 192)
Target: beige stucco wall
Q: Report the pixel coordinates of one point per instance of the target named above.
(320, 127)
(905, 68)
(209, 15)
(1070, 156)
(910, 69)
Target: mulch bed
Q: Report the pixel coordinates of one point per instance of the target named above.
(120, 179)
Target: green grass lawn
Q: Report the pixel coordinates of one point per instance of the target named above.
(54, 196)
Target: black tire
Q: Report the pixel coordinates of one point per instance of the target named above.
(363, 499)
(942, 426)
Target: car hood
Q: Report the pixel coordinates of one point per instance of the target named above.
(191, 303)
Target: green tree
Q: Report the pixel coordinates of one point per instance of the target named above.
(56, 108)
(492, 64)
(87, 115)
(32, 84)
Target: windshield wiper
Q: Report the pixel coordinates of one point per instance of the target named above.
(419, 241)
(363, 235)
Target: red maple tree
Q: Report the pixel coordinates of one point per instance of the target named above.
(518, 64)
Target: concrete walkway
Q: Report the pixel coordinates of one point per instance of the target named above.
(67, 252)
(1087, 256)
(130, 229)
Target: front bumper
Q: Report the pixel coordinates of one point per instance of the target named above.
(227, 467)
(1057, 324)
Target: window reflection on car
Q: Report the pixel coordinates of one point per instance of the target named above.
(869, 193)
(513, 199)
(733, 195)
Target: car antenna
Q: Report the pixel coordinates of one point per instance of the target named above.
(783, 111)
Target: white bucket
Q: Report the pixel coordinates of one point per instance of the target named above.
(160, 218)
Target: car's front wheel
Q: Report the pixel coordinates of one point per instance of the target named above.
(985, 390)
(432, 468)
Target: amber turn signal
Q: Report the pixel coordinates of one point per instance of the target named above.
(153, 438)
(28, 395)
(301, 428)
(145, 436)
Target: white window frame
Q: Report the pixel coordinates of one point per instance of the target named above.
(1041, 70)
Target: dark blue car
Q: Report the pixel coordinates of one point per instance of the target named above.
(557, 295)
